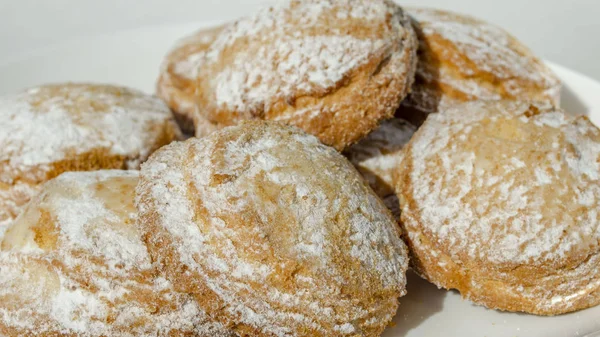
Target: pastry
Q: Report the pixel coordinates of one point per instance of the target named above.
(500, 201)
(176, 84)
(463, 59)
(73, 264)
(334, 69)
(460, 59)
(51, 129)
(274, 233)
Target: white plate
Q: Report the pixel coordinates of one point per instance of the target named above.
(132, 58)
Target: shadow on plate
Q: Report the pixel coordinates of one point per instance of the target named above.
(571, 103)
(422, 301)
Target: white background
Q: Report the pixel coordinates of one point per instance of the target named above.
(566, 32)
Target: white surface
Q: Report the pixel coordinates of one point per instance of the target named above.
(566, 32)
(132, 58)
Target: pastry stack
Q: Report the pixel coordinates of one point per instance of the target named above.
(294, 165)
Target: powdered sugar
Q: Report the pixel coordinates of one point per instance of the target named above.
(13, 198)
(98, 279)
(295, 48)
(44, 129)
(44, 125)
(309, 63)
(268, 197)
(484, 193)
(479, 60)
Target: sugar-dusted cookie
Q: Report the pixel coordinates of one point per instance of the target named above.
(333, 68)
(274, 233)
(463, 59)
(51, 129)
(74, 264)
(500, 200)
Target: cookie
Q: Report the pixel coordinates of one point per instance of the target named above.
(176, 84)
(74, 264)
(274, 233)
(464, 59)
(379, 155)
(51, 129)
(500, 201)
(335, 69)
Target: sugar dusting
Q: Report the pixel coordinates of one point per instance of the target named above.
(296, 48)
(301, 70)
(285, 185)
(43, 126)
(526, 194)
(520, 204)
(98, 279)
(12, 200)
(481, 48)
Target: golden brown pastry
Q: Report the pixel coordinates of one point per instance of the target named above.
(334, 69)
(73, 264)
(51, 129)
(463, 59)
(274, 233)
(176, 84)
(500, 201)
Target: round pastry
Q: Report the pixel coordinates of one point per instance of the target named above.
(73, 264)
(500, 201)
(379, 155)
(274, 233)
(51, 129)
(463, 59)
(334, 69)
(176, 84)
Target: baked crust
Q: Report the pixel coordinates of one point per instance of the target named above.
(499, 201)
(52, 129)
(336, 70)
(273, 233)
(464, 59)
(176, 83)
(74, 264)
